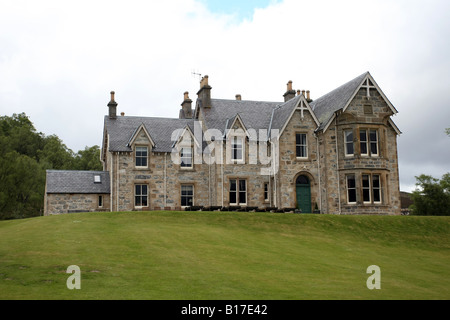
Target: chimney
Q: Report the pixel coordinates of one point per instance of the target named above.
(238, 97)
(204, 94)
(186, 107)
(307, 96)
(112, 105)
(289, 92)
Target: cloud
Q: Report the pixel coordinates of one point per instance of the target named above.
(60, 59)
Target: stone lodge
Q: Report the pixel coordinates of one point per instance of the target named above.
(336, 155)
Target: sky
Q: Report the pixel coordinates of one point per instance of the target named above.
(59, 60)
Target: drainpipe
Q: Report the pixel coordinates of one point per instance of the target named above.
(337, 163)
(118, 177)
(165, 181)
(318, 168)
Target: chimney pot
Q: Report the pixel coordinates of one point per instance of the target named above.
(112, 95)
(298, 92)
(307, 95)
(289, 85)
(122, 114)
(303, 93)
(238, 97)
(186, 95)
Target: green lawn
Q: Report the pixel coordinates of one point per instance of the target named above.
(221, 255)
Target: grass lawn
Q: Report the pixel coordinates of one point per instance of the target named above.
(220, 255)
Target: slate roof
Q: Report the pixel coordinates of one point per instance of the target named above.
(122, 128)
(253, 114)
(325, 106)
(71, 181)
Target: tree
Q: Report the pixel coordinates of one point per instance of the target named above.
(447, 131)
(88, 159)
(432, 197)
(25, 154)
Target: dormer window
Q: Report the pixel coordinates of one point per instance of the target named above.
(97, 178)
(142, 157)
(186, 157)
(237, 147)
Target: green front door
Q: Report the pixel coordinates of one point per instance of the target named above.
(303, 189)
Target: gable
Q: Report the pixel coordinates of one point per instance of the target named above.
(326, 106)
(140, 135)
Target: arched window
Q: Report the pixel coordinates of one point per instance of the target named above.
(302, 180)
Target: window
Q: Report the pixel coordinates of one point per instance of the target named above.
(100, 201)
(301, 147)
(187, 195)
(366, 188)
(141, 195)
(266, 191)
(369, 142)
(238, 191)
(351, 188)
(363, 141)
(186, 157)
(376, 188)
(97, 179)
(348, 138)
(236, 148)
(141, 156)
(373, 137)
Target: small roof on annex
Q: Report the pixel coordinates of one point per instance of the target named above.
(72, 181)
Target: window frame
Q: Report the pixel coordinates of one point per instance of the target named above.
(100, 201)
(369, 188)
(347, 143)
(266, 192)
(301, 145)
(238, 192)
(191, 150)
(348, 189)
(187, 195)
(141, 196)
(233, 143)
(136, 156)
(376, 188)
(368, 142)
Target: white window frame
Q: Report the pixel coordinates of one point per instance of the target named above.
(376, 188)
(301, 145)
(140, 195)
(369, 188)
(234, 142)
(369, 142)
(347, 143)
(361, 142)
(266, 192)
(181, 195)
(238, 191)
(373, 142)
(191, 150)
(141, 157)
(353, 188)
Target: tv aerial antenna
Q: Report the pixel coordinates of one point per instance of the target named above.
(196, 73)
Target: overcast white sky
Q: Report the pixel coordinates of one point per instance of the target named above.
(60, 59)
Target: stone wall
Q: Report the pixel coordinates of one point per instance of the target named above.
(362, 113)
(67, 203)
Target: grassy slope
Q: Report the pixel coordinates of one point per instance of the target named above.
(183, 255)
